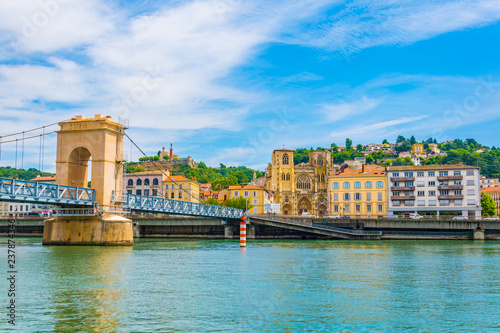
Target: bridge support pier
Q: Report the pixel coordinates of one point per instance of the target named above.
(478, 234)
(88, 230)
(228, 232)
(250, 231)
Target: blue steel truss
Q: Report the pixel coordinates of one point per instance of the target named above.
(26, 191)
(167, 206)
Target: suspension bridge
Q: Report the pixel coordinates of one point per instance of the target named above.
(91, 215)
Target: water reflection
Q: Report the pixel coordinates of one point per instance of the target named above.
(86, 287)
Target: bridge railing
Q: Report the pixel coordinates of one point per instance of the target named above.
(168, 206)
(27, 191)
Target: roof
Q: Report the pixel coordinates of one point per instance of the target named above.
(283, 149)
(431, 167)
(491, 189)
(246, 187)
(370, 170)
(179, 179)
(43, 179)
(147, 173)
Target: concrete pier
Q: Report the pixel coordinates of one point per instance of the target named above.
(478, 234)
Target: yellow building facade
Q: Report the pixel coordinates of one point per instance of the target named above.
(258, 196)
(418, 148)
(358, 191)
(181, 188)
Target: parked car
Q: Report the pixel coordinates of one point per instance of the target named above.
(492, 218)
(333, 216)
(389, 217)
(307, 214)
(34, 214)
(460, 218)
(416, 216)
(345, 217)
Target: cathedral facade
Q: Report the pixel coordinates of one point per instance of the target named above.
(302, 187)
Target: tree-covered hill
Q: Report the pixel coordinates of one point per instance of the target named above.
(8, 172)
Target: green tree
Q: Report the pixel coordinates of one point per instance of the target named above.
(408, 161)
(359, 147)
(488, 205)
(334, 147)
(405, 146)
(348, 144)
(369, 159)
(385, 141)
(239, 202)
(413, 140)
(398, 162)
(212, 201)
(400, 139)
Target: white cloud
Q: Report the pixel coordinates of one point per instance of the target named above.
(335, 112)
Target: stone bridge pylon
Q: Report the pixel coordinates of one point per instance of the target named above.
(79, 141)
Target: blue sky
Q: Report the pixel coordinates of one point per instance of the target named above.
(228, 81)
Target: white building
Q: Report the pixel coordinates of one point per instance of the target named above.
(436, 189)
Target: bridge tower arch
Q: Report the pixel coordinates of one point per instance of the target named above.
(79, 139)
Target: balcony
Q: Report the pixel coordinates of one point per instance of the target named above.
(403, 188)
(403, 198)
(451, 197)
(402, 179)
(450, 187)
(442, 178)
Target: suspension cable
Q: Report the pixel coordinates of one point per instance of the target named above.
(26, 138)
(31, 130)
(22, 154)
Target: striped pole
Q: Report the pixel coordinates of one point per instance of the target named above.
(243, 232)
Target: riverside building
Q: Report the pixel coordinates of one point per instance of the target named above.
(439, 189)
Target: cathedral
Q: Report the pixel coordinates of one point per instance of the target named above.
(302, 187)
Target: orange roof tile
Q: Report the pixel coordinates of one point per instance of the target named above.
(491, 189)
(178, 179)
(41, 179)
(246, 187)
(370, 170)
(431, 167)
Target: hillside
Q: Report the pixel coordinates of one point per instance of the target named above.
(8, 172)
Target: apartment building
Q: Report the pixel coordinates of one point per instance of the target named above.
(257, 195)
(358, 191)
(489, 182)
(182, 189)
(440, 189)
(145, 183)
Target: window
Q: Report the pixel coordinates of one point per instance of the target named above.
(347, 196)
(282, 176)
(246, 194)
(139, 182)
(138, 192)
(254, 193)
(458, 192)
(146, 181)
(358, 208)
(255, 202)
(288, 176)
(470, 182)
(236, 194)
(444, 192)
(443, 173)
(395, 193)
(320, 161)
(357, 196)
(432, 174)
(172, 195)
(336, 208)
(409, 184)
(432, 183)
(368, 208)
(285, 159)
(347, 185)
(180, 186)
(155, 181)
(369, 196)
(346, 208)
(421, 203)
(432, 193)
(395, 174)
(180, 195)
(396, 203)
(130, 182)
(458, 202)
(420, 184)
(380, 196)
(166, 187)
(146, 193)
(255, 210)
(380, 208)
(457, 182)
(173, 187)
(336, 185)
(335, 197)
(155, 193)
(129, 191)
(444, 202)
(368, 185)
(409, 174)
(432, 202)
(420, 174)
(471, 201)
(380, 184)
(457, 173)
(470, 173)
(410, 203)
(303, 182)
(357, 184)
(471, 192)
(421, 193)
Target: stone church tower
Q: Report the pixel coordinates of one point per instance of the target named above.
(303, 187)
